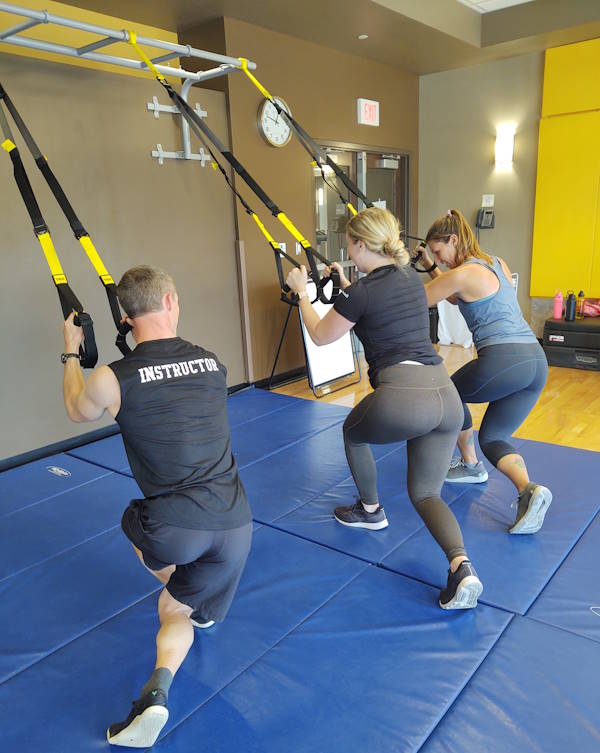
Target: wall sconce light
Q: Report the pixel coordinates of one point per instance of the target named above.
(505, 142)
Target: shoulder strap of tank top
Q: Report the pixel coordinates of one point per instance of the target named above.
(491, 267)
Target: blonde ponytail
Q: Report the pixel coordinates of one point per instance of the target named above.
(379, 230)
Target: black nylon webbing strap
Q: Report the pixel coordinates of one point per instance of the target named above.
(78, 230)
(318, 153)
(292, 299)
(43, 165)
(197, 124)
(76, 226)
(67, 298)
(24, 186)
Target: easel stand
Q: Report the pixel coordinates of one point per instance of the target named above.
(322, 389)
(283, 331)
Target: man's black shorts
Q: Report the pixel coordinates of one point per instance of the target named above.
(209, 564)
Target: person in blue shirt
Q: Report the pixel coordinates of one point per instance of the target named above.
(510, 370)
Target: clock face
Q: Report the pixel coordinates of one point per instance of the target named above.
(271, 125)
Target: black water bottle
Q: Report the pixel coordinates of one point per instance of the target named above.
(570, 306)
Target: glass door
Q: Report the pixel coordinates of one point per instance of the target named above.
(383, 178)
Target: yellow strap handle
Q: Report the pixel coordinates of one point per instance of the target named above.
(133, 42)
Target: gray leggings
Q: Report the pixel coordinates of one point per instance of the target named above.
(510, 376)
(418, 404)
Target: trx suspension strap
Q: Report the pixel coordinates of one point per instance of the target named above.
(79, 231)
(197, 124)
(292, 300)
(286, 297)
(317, 153)
(68, 300)
(320, 156)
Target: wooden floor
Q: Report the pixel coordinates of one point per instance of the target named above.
(567, 413)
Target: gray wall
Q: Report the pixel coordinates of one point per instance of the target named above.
(97, 134)
(458, 114)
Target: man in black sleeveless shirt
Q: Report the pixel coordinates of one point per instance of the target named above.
(193, 528)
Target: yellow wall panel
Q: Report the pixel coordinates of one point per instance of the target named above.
(571, 76)
(594, 289)
(75, 38)
(566, 204)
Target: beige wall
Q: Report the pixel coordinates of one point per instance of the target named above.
(321, 86)
(98, 135)
(459, 112)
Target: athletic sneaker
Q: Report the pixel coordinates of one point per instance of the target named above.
(532, 505)
(461, 473)
(144, 723)
(357, 517)
(463, 588)
(199, 621)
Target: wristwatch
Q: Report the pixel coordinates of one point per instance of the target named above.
(65, 356)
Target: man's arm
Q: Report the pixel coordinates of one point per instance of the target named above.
(87, 401)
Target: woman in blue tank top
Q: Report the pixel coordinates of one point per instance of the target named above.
(510, 370)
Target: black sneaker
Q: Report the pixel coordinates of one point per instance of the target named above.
(144, 723)
(198, 621)
(463, 588)
(532, 505)
(357, 517)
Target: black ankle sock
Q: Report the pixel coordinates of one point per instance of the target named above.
(160, 679)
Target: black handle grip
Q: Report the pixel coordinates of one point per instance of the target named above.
(88, 352)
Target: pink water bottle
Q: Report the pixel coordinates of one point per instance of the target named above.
(558, 305)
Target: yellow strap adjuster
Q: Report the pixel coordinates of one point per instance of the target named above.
(265, 232)
(133, 42)
(8, 145)
(255, 81)
(50, 253)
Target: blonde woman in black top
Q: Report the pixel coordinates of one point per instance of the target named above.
(413, 397)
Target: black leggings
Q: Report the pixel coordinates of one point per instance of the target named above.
(421, 405)
(510, 377)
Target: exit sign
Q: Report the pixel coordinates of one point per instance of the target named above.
(368, 112)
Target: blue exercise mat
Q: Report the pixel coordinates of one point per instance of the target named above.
(76, 692)
(63, 598)
(536, 692)
(572, 598)
(42, 531)
(375, 669)
(32, 483)
(107, 453)
(514, 569)
(251, 403)
(315, 520)
(311, 467)
(274, 432)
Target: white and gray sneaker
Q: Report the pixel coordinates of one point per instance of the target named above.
(462, 473)
(532, 505)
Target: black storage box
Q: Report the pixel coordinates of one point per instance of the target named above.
(575, 345)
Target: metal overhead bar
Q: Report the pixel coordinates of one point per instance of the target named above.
(109, 37)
